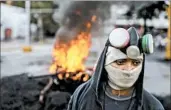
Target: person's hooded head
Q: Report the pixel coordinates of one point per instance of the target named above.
(121, 63)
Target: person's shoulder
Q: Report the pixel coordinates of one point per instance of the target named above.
(77, 96)
(81, 89)
(153, 103)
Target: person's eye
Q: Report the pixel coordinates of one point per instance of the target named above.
(136, 62)
(120, 62)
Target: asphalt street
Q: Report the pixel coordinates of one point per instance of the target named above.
(14, 61)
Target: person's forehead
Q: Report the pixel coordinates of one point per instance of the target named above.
(129, 59)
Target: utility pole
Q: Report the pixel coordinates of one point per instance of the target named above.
(40, 26)
(27, 47)
(168, 46)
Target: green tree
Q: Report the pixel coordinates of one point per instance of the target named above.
(149, 11)
(49, 26)
(146, 11)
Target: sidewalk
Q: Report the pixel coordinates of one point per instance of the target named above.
(17, 45)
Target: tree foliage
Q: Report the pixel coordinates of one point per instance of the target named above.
(147, 11)
(34, 4)
(49, 26)
(152, 10)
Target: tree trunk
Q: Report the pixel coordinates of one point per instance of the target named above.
(145, 25)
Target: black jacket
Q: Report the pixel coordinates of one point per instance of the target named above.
(86, 96)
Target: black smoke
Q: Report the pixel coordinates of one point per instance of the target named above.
(78, 14)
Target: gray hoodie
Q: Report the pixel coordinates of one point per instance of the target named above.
(87, 95)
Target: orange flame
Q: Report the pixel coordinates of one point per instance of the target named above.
(93, 18)
(70, 57)
(88, 25)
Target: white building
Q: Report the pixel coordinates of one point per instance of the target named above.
(14, 18)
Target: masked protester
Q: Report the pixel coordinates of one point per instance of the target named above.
(117, 83)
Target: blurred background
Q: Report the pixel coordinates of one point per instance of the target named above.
(41, 59)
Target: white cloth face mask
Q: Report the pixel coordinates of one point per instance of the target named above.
(121, 79)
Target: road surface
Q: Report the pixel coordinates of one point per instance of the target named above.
(14, 61)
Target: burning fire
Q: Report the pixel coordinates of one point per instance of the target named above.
(93, 18)
(70, 57)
